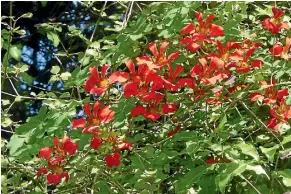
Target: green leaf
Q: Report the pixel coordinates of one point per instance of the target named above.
(65, 76)
(286, 139)
(55, 69)
(16, 142)
(26, 15)
(54, 37)
(270, 152)
(15, 52)
(286, 175)
(248, 149)
(222, 122)
(258, 169)
(135, 37)
(24, 68)
(192, 147)
(232, 169)
(191, 177)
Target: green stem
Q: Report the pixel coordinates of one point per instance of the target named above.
(8, 50)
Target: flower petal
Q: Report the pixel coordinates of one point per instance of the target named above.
(130, 89)
(105, 114)
(188, 29)
(118, 77)
(216, 30)
(112, 159)
(139, 110)
(169, 108)
(78, 123)
(45, 152)
(95, 143)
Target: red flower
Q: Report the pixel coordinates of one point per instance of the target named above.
(55, 171)
(159, 59)
(212, 160)
(243, 64)
(41, 171)
(281, 112)
(95, 143)
(171, 80)
(151, 111)
(280, 51)
(45, 153)
(209, 74)
(195, 41)
(275, 23)
(97, 85)
(56, 178)
(67, 146)
(223, 51)
(270, 95)
(112, 159)
(95, 118)
(206, 27)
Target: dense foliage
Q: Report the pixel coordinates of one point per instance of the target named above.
(183, 97)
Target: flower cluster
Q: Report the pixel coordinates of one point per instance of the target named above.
(56, 158)
(212, 79)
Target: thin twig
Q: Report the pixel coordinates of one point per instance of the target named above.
(250, 184)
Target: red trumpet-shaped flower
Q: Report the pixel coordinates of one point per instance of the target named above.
(159, 59)
(275, 24)
(97, 84)
(151, 81)
(172, 80)
(209, 74)
(280, 51)
(206, 27)
(55, 157)
(100, 114)
(55, 174)
(281, 114)
(224, 51)
(62, 149)
(141, 81)
(271, 95)
(243, 64)
(112, 159)
(195, 41)
(152, 108)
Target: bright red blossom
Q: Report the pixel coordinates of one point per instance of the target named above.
(271, 95)
(275, 23)
(284, 52)
(99, 115)
(159, 59)
(209, 74)
(97, 84)
(112, 159)
(55, 171)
